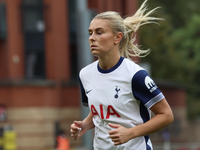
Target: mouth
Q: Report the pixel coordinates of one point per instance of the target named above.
(93, 46)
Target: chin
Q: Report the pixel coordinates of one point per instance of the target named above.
(95, 53)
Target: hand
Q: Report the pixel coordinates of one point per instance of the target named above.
(77, 129)
(119, 135)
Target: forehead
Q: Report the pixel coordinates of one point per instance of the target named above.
(100, 23)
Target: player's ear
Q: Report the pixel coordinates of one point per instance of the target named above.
(118, 38)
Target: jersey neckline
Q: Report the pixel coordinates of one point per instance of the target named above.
(111, 69)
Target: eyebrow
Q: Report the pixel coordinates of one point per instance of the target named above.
(95, 29)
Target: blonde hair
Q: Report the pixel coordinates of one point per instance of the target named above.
(128, 27)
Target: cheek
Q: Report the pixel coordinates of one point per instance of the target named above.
(106, 40)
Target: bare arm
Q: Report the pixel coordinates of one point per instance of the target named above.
(89, 121)
(163, 117)
(79, 128)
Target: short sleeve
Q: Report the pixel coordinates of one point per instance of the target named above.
(83, 95)
(145, 89)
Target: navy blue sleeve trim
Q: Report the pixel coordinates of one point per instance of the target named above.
(145, 89)
(83, 95)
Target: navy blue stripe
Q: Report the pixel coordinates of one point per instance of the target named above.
(83, 95)
(145, 117)
(111, 69)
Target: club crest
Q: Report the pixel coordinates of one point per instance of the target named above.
(117, 90)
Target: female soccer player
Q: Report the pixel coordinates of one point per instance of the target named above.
(119, 93)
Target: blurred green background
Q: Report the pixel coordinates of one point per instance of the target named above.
(175, 45)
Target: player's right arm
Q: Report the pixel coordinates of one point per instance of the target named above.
(79, 128)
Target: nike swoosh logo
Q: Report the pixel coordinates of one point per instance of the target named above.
(88, 91)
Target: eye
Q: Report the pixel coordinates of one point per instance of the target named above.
(99, 32)
(90, 33)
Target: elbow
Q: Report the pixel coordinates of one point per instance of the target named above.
(170, 118)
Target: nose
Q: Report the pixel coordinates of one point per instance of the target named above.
(92, 38)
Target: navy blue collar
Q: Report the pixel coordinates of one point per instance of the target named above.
(111, 69)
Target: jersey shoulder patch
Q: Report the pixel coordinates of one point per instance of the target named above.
(145, 89)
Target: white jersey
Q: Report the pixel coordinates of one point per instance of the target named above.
(120, 95)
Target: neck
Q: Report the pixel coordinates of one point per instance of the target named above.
(107, 62)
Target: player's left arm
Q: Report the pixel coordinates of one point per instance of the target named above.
(163, 117)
